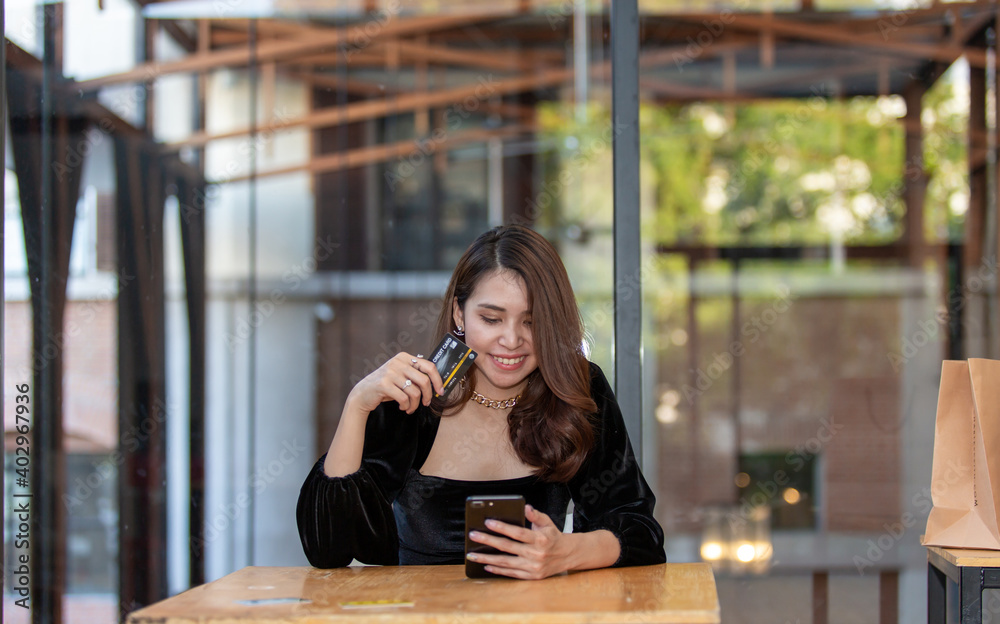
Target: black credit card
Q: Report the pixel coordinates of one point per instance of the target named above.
(453, 359)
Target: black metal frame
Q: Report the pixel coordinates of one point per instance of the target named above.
(971, 580)
(627, 243)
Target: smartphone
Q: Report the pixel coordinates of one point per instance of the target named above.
(507, 508)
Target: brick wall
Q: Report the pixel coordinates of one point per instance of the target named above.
(794, 375)
(90, 378)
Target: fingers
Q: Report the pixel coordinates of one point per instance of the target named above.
(509, 565)
(519, 534)
(518, 544)
(422, 384)
(396, 393)
(505, 565)
(430, 371)
(524, 553)
(411, 391)
(415, 377)
(512, 572)
(538, 519)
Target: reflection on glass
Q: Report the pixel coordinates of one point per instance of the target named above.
(814, 213)
(811, 207)
(301, 181)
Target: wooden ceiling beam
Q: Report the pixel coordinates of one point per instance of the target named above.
(413, 52)
(372, 154)
(174, 29)
(277, 50)
(349, 85)
(946, 53)
(659, 87)
(408, 102)
(276, 28)
(680, 55)
(228, 38)
(183, 39)
(401, 103)
(973, 26)
(808, 77)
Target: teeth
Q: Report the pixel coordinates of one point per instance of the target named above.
(508, 362)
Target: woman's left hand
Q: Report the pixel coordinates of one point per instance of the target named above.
(536, 553)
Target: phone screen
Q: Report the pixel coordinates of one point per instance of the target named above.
(505, 508)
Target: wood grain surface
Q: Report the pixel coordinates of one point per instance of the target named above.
(673, 593)
(967, 557)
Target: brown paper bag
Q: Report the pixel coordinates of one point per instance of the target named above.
(965, 477)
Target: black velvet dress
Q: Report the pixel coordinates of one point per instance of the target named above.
(388, 513)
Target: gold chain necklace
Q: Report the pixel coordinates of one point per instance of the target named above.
(488, 402)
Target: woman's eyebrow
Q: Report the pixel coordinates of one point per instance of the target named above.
(496, 308)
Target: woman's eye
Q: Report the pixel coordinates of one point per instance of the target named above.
(490, 321)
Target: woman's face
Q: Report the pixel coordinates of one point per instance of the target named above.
(497, 323)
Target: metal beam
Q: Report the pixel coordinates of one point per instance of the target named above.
(627, 291)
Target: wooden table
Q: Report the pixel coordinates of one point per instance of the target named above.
(973, 570)
(674, 593)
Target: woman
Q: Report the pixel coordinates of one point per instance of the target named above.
(532, 417)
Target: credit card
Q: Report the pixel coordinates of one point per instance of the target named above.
(453, 359)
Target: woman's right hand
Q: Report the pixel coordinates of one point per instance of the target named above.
(407, 379)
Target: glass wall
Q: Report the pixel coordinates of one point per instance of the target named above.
(269, 206)
(807, 204)
(219, 216)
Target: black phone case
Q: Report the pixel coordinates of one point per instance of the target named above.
(506, 508)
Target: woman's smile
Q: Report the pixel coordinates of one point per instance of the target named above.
(497, 323)
(512, 363)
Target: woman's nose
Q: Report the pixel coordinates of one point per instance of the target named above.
(511, 335)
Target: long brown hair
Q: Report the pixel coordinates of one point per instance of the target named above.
(550, 426)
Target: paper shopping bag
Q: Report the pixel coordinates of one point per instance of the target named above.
(965, 476)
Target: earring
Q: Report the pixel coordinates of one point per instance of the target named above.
(460, 331)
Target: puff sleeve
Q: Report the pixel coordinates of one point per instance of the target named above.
(350, 517)
(609, 491)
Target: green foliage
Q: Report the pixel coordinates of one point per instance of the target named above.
(792, 172)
